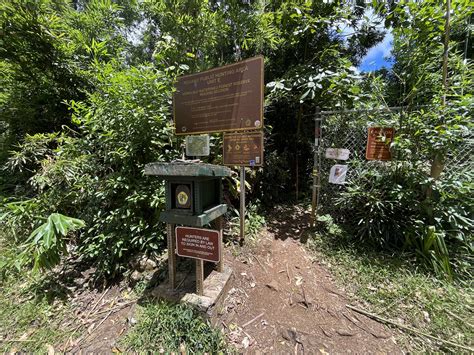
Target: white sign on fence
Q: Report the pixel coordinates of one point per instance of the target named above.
(337, 174)
(337, 153)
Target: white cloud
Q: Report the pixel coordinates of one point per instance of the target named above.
(380, 51)
(375, 57)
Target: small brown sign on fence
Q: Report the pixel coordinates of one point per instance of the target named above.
(378, 143)
(228, 98)
(198, 243)
(243, 149)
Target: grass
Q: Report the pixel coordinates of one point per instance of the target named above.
(36, 316)
(28, 321)
(397, 288)
(32, 309)
(167, 327)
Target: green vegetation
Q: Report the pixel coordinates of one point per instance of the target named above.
(385, 206)
(87, 103)
(86, 106)
(86, 92)
(254, 222)
(30, 324)
(171, 328)
(422, 200)
(397, 288)
(28, 320)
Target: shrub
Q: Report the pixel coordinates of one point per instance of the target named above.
(97, 175)
(378, 205)
(386, 206)
(254, 221)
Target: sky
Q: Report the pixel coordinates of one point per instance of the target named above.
(376, 56)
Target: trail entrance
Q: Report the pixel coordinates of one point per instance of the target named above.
(281, 300)
(284, 301)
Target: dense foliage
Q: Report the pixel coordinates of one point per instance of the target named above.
(423, 200)
(86, 94)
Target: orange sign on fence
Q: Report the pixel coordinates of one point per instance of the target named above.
(378, 143)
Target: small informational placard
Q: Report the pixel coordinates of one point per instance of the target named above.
(197, 146)
(337, 174)
(337, 153)
(243, 149)
(378, 143)
(228, 98)
(198, 243)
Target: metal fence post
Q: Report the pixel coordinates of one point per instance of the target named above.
(316, 166)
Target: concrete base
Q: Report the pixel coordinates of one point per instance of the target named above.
(216, 285)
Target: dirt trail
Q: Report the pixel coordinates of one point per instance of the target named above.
(283, 300)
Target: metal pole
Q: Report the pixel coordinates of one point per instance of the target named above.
(318, 185)
(316, 167)
(242, 204)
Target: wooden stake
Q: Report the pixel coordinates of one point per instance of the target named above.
(253, 320)
(199, 277)
(171, 255)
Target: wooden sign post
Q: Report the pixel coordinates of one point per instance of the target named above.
(171, 255)
(242, 204)
(202, 245)
(225, 99)
(243, 149)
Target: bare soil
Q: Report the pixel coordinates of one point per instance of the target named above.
(282, 300)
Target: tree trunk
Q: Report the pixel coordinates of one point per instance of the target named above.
(437, 164)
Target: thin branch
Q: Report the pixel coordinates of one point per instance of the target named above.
(409, 329)
(253, 320)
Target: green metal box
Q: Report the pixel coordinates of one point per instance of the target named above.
(193, 191)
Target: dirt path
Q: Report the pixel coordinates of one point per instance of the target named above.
(283, 300)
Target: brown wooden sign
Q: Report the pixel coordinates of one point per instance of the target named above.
(243, 149)
(198, 243)
(378, 143)
(228, 98)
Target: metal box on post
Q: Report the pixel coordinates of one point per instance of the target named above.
(193, 198)
(193, 191)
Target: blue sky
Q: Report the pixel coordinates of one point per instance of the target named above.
(376, 56)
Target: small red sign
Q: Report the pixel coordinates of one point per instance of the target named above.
(198, 243)
(378, 143)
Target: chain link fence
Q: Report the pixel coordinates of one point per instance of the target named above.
(349, 130)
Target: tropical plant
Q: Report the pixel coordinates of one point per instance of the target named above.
(48, 242)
